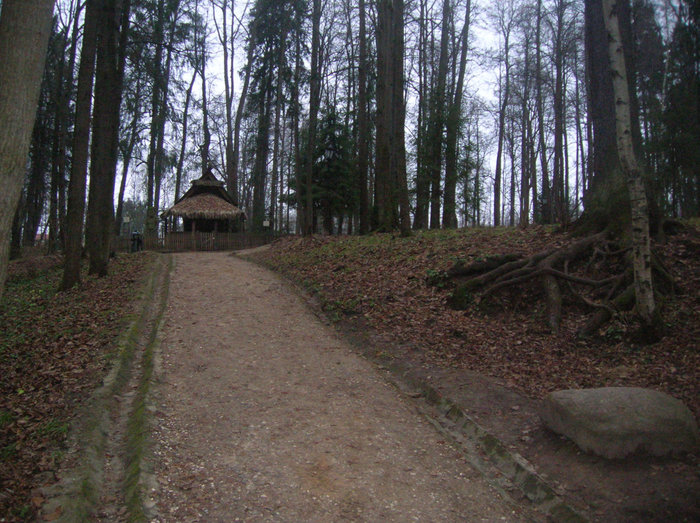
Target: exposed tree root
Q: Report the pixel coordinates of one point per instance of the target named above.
(594, 254)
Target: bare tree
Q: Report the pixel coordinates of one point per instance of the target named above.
(505, 18)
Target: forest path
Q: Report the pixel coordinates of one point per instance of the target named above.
(263, 413)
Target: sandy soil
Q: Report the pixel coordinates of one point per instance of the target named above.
(263, 413)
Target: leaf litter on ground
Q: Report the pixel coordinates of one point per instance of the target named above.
(55, 348)
(382, 278)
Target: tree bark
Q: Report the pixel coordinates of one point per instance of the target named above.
(607, 197)
(437, 120)
(544, 210)
(382, 167)
(641, 250)
(228, 97)
(158, 36)
(314, 102)
(501, 138)
(398, 121)
(276, 174)
(420, 219)
(24, 32)
(111, 43)
(558, 209)
(81, 139)
(449, 215)
(183, 143)
(362, 124)
(262, 148)
(232, 181)
(206, 144)
(525, 144)
(127, 153)
(296, 115)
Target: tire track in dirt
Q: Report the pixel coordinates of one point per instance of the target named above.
(101, 479)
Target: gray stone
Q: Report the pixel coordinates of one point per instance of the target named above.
(617, 421)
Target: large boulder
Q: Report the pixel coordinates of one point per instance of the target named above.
(617, 421)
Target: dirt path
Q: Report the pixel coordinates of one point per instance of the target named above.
(264, 414)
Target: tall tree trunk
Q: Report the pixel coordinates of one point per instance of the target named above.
(262, 147)
(206, 141)
(127, 153)
(158, 36)
(162, 111)
(420, 219)
(437, 120)
(183, 143)
(81, 140)
(296, 115)
(477, 176)
(382, 169)
(546, 204)
(58, 167)
(362, 124)
(641, 250)
(274, 197)
(558, 204)
(449, 215)
(314, 102)
(36, 184)
(501, 136)
(228, 97)
(398, 120)
(232, 181)
(607, 197)
(24, 32)
(525, 174)
(113, 22)
(511, 156)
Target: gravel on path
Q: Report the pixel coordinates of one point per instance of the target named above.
(263, 413)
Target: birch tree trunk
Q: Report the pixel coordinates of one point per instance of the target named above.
(24, 34)
(641, 251)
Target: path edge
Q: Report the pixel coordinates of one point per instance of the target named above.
(138, 461)
(76, 495)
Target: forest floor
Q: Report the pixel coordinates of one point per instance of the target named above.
(497, 360)
(55, 349)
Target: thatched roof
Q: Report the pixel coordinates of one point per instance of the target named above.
(205, 205)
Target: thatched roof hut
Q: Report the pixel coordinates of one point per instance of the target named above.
(207, 207)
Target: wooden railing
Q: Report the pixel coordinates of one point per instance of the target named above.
(197, 241)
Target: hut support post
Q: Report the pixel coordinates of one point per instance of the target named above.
(194, 238)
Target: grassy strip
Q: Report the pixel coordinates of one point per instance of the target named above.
(81, 495)
(137, 424)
